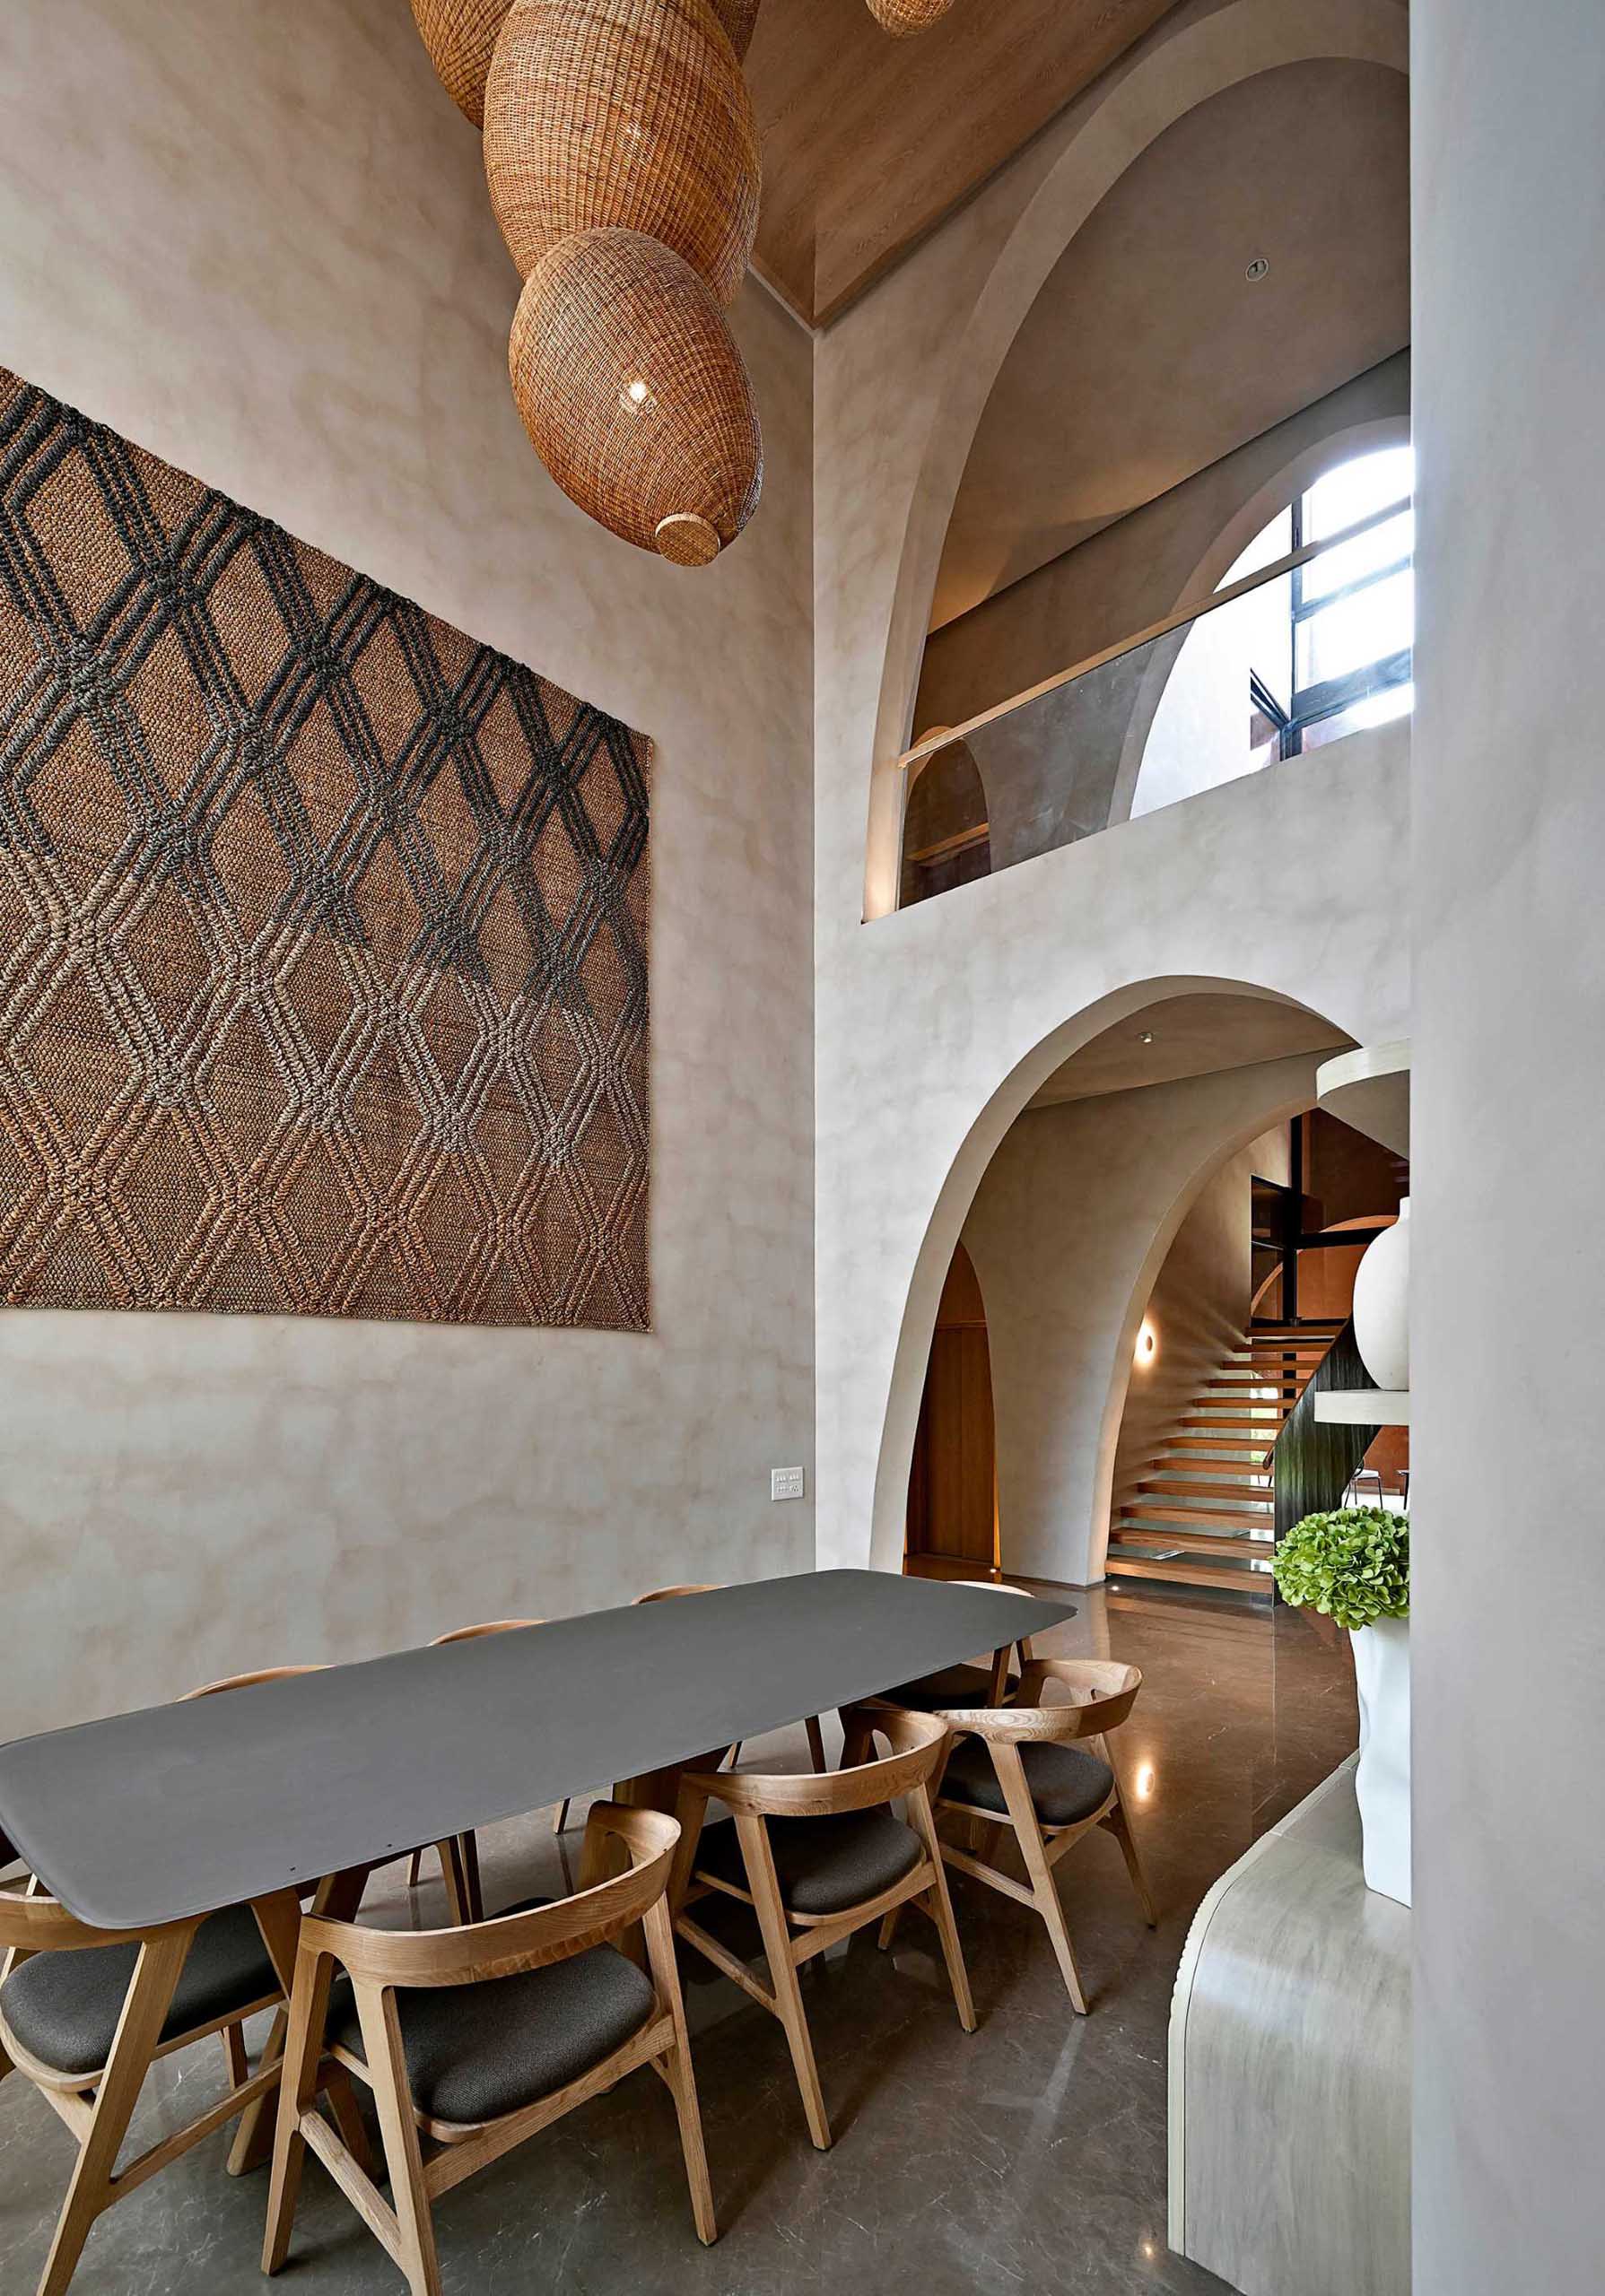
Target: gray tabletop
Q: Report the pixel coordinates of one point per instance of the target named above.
(181, 1810)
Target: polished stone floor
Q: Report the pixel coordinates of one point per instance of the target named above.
(1030, 2154)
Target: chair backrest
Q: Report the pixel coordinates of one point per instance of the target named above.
(491, 1626)
(32, 1923)
(249, 1682)
(515, 1941)
(1102, 1692)
(671, 1593)
(918, 1744)
(996, 1586)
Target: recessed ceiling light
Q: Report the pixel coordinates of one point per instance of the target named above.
(1258, 268)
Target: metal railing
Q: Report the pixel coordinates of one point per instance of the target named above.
(1268, 667)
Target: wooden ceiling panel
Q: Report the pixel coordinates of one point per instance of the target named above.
(869, 142)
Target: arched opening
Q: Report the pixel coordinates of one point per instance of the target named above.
(1068, 1222)
(953, 1480)
(947, 837)
(1247, 41)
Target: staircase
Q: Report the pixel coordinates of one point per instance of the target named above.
(1201, 1512)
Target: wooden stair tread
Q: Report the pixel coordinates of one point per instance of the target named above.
(1202, 1503)
(1211, 1501)
(1183, 1573)
(1194, 1541)
(1256, 1485)
(1177, 1518)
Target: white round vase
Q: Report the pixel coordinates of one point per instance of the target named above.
(1382, 1286)
(1382, 1675)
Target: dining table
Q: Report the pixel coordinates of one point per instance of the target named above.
(178, 1811)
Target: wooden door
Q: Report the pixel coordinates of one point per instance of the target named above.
(952, 1485)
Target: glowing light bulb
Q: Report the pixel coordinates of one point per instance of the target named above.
(1148, 1345)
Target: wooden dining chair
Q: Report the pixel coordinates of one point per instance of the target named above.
(85, 2012)
(817, 1857)
(984, 1680)
(1046, 1773)
(473, 2039)
(459, 1857)
(673, 1593)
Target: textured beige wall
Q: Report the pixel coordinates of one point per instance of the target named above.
(1507, 1116)
(935, 1027)
(262, 248)
(1077, 1214)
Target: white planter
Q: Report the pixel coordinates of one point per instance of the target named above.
(1382, 1675)
(1382, 1305)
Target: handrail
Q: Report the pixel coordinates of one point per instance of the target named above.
(1313, 1460)
(932, 743)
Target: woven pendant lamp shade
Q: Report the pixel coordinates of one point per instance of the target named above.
(738, 17)
(623, 113)
(635, 394)
(460, 35)
(902, 17)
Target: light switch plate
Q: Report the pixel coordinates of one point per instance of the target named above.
(786, 1483)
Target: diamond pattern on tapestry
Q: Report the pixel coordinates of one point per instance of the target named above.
(323, 929)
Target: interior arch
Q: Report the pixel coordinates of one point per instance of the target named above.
(1236, 43)
(1281, 1095)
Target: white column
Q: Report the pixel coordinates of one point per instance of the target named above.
(1508, 1136)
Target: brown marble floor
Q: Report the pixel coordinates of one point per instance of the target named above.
(1030, 2154)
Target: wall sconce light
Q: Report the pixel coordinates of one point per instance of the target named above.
(1147, 1346)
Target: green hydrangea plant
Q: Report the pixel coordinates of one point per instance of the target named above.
(1354, 1565)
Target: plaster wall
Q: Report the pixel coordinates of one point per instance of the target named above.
(1079, 1210)
(1508, 1107)
(267, 254)
(936, 1026)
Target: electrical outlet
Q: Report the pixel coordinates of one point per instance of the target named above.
(786, 1483)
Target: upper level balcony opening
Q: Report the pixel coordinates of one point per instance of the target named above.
(1307, 637)
(1179, 548)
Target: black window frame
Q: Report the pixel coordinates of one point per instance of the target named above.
(1311, 705)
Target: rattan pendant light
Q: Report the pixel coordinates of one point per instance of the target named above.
(460, 35)
(902, 17)
(739, 17)
(627, 113)
(635, 394)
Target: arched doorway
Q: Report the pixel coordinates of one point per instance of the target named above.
(1067, 1213)
(953, 1481)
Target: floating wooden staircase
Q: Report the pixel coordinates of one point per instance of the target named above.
(1201, 1512)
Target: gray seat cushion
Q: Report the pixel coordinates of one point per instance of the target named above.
(474, 2052)
(63, 2007)
(954, 1686)
(825, 1864)
(1067, 1783)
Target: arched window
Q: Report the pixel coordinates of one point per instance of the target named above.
(1352, 608)
(1315, 652)
(945, 830)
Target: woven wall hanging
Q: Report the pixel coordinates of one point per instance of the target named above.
(323, 929)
